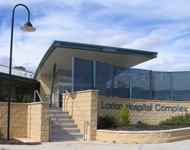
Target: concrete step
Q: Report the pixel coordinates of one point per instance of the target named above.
(63, 136)
(62, 120)
(64, 125)
(68, 130)
(56, 139)
(60, 117)
(58, 112)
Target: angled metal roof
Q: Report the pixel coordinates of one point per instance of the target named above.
(61, 53)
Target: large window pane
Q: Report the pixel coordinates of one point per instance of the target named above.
(181, 86)
(83, 74)
(141, 84)
(161, 85)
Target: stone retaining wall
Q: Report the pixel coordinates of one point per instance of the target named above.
(83, 107)
(38, 122)
(86, 105)
(147, 111)
(142, 137)
(26, 120)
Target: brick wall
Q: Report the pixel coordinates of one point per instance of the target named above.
(18, 120)
(83, 107)
(160, 110)
(26, 121)
(142, 137)
(38, 122)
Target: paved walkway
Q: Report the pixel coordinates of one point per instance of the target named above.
(86, 145)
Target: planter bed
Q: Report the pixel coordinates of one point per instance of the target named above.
(116, 135)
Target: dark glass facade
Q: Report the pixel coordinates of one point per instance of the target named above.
(115, 81)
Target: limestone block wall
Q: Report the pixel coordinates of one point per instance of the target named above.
(83, 107)
(142, 137)
(38, 122)
(18, 119)
(149, 111)
(26, 120)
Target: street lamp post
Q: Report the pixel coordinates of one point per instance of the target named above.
(27, 27)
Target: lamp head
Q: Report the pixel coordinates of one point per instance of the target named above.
(28, 27)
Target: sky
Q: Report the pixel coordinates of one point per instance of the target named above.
(161, 26)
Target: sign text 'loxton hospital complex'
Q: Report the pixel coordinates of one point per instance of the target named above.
(144, 107)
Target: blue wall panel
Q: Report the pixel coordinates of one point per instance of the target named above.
(129, 83)
(83, 74)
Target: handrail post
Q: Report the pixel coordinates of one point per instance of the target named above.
(34, 96)
(36, 91)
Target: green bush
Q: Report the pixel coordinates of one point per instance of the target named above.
(108, 120)
(140, 124)
(27, 98)
(1, 133)
(18, 98)
(2, 98)
(124, 115)
(177, 120)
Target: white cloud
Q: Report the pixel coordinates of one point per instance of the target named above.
(167, 62)
(160, 26)
(4, 60)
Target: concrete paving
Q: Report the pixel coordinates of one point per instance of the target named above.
(93, 145)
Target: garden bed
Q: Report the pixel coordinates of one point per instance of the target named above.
(17, 142)
(139, 136)
(146, 128)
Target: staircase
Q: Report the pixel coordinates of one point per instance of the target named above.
(63, 127)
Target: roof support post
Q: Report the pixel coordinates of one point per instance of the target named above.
(52, 83)
(94, 74)
(73, 73)
(150, 84)
(131, 83)
(171, 86)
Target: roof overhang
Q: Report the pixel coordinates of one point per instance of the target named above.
(18, 78)
(61, 53)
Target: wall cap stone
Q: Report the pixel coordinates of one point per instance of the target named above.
(14, 103)
(136, 132)
(36, 103)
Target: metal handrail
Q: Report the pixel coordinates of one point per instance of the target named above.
(85, 121)
(36, 92)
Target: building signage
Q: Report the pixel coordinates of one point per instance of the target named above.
(144, 107)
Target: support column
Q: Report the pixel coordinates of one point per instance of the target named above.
(171, 86)
(131, 83)
(94, 75)
(52, 83)
(73, 73)
(150, 84)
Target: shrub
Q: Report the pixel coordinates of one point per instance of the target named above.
(27, 98)
(18, 98)
(1, 133)
(124, 115)
(108, 120)
(177, 120)
(140, 124)
(2, 98)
